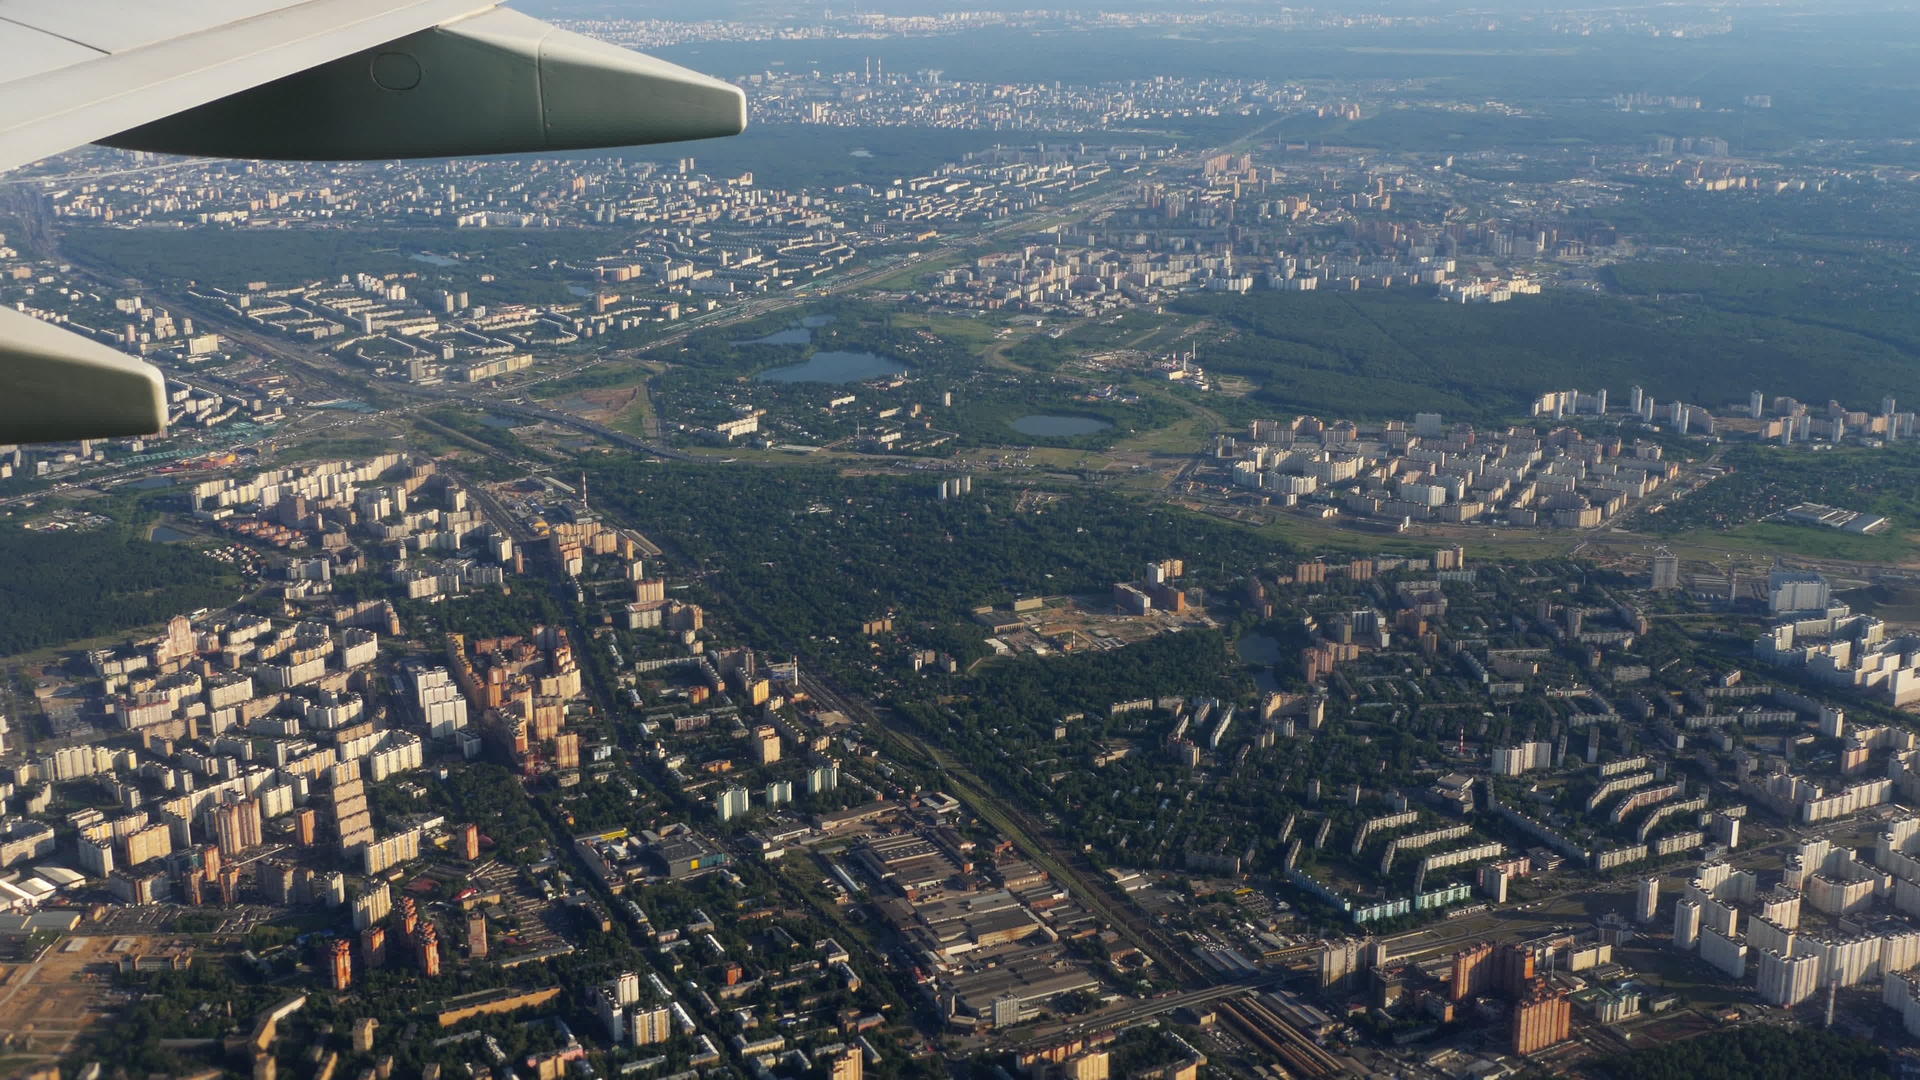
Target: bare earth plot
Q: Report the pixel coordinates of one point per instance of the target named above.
(45, 1004)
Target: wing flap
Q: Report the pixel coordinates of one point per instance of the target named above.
(29, 51)
(129, 25)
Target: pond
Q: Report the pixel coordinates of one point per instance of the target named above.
(830, 366)
(579, 290)
(1259, 649)
(434, 260)
(496, 421)
(153, 483)
(1059, 425)
(1265, 651)
(166, 534)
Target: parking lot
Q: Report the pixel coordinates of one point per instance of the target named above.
(167, 919)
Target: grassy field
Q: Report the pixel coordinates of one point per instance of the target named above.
(1309, 535)
(770, 457)
(908, 276)
(979, 334)
(611, 373)
(1893, 605)
(639, 417)
(1686, 974)
(1182, 438)
(1775, 538)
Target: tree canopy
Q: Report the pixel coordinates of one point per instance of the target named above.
(1756, 1052)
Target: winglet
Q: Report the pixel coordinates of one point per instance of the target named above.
(55, 385)
(596, 94)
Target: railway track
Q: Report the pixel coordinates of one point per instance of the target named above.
(1081, 880)
(1297, 1054)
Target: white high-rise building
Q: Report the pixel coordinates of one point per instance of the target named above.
(1686, 924)
(1514, 760)
(1647, 900)
(1789, 590)
(1723, 951)
(1899, 950)
(440, 702)
(625, 987)
(1726, 830)
(1786, 980)
(1764, 935)
(372, 906)
(823, 778)
(1849, 961)
(1901, 993)
(1666, 569)
(731, 803)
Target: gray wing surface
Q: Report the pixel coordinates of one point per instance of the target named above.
(313, 80)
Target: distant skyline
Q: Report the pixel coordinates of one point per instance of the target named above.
(759, 9)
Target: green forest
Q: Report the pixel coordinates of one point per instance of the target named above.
(59, 587)
(1389, 354)
(527, 265)
(1756, 1052)
(1765, 480)
(808, 556)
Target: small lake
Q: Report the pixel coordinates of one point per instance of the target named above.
(1258, 649)
(152, 483)
(579, 290)
(1263, 650)
(831, 366)
(1059, 425)
(166, 534)
(792, 335)
(434, 260)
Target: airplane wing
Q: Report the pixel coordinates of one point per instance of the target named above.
(303, 80)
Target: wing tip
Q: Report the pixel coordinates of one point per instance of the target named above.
(56, 386)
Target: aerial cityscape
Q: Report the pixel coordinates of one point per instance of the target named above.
(1179, 541)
